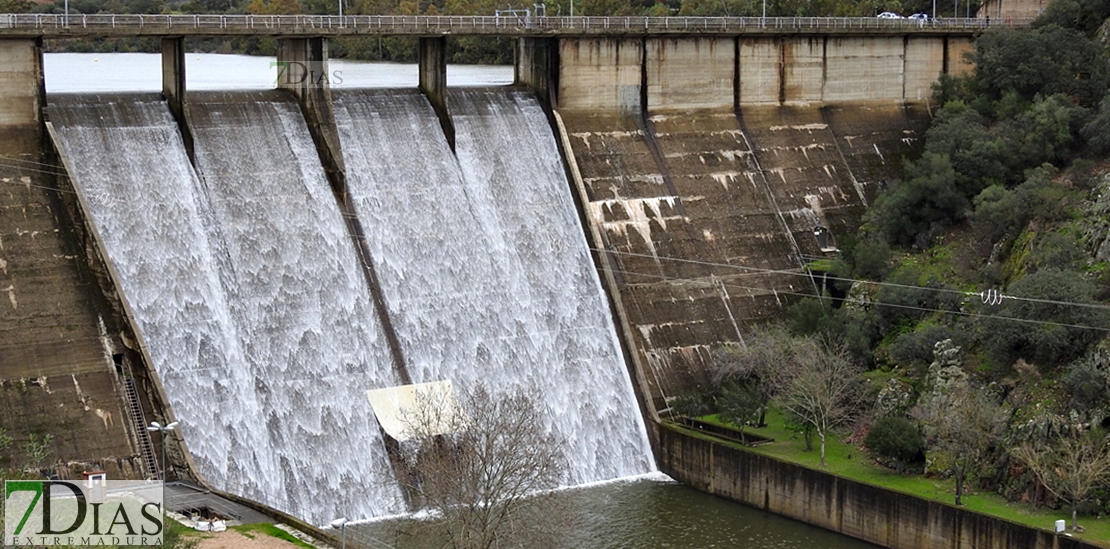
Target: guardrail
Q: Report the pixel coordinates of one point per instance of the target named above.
(119, 24)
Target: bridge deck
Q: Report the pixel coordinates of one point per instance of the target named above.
(104, 25)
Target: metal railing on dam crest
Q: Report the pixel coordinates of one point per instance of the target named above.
(61, 26)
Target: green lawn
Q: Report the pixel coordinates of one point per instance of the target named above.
(852, 462)
(250, 530)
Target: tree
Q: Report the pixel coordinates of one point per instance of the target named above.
(1071, 467)
(483, 466)
(1044, 61)
(756, 361)
(927, 201)
(819, 386)
(959, 419)
(1097, 129)
(740, 403)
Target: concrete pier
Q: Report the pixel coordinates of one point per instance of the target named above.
(302, 68)
(173, 88)
(537, 62)
(433, 81)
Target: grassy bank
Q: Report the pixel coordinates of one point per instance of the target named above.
(852, 462)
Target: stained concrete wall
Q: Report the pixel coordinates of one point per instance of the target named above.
(924, 63)
(600, 73)
(760, 79)
(864, 69)
(866, 512)
(708, 217)
(691, 73)
(956, 61)
(808, 70)
(57, 332)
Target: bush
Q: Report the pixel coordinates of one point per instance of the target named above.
(692, 405)
(914, 210)
(911, 297)
(1047, 61)
(1048, 332)
(1097, 130)
(896, 438)
(915, 349)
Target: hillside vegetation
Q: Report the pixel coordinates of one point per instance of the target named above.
(974, 304)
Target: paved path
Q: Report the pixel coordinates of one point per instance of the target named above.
(182, 497)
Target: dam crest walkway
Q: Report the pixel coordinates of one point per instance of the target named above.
(100, 25)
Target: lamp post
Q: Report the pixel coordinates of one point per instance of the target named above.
(155, 426)
(341, 523)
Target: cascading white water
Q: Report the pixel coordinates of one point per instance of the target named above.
(485, 267)
(248, 292)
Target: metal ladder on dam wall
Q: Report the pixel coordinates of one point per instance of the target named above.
(138, 420)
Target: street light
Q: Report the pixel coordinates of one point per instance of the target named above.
(341, 523)
(155, 426)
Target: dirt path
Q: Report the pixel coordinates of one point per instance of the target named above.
(231, 539)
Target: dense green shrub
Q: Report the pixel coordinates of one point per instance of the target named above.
(915, 349)
(896, 438)
(1042, 62)
(1052, 329)
(912, 211)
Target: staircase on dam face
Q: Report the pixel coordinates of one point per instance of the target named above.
(138, 420)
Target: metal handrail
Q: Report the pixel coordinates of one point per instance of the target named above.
(413, 24)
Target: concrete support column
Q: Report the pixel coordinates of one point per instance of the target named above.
(22, 91)
(302, 68)
(537, 67)
(433, 81)
(173, 87)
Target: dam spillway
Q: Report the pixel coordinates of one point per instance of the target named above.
(246, 290)
(246, 287)
(485, 266)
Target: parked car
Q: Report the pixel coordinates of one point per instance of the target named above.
(889, 15)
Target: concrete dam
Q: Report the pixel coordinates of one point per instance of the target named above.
(251, 263)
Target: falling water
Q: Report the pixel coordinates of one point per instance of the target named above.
(247, 291)
(485, 266)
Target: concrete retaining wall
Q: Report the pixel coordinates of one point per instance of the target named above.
(600, 73)
(58, 335)
(718, 73)
(866, 512)
(691, 73)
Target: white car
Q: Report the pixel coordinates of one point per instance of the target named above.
(889, 15)
(920, 17)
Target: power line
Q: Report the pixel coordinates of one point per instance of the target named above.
(875, 303)
(990, 297)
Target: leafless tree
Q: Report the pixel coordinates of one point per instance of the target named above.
(486, 467)
(1071, 468)
(755, 363)
(963, 422)
(819, 385)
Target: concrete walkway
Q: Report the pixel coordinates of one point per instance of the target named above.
(182, 497)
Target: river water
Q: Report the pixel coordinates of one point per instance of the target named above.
(650, 512)
(646, 512)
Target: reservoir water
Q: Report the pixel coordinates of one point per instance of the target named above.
(223, 232)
